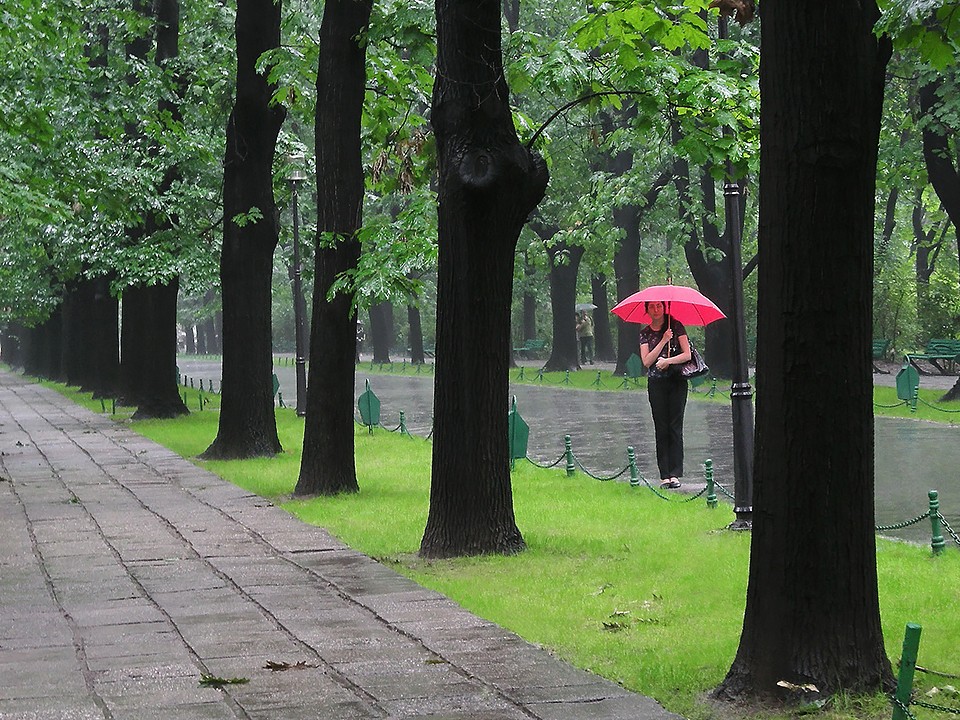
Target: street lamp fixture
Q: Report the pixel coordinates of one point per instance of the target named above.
(295, 177)
(741, 394)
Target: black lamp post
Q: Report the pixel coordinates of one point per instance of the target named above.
(295, 177)
(741, 394)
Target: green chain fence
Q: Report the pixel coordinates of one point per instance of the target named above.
(369, 406)
(902, 697)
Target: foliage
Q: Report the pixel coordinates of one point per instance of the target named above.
(931, 27)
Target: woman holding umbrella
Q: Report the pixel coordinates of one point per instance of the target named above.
(664, 347)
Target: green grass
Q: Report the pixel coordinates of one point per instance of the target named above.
(645, 592)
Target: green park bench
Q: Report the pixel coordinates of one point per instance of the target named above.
(531, 348)
(942, 353)
(880, 349)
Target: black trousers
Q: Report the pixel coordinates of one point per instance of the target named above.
(586, 349)
(668, 400)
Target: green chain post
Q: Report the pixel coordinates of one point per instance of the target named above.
(191, 383)
(113, 406)
(103, 405)
(711, 488)
(566, 377)
(626, 382)
(632, 461)
(520, 374)
(568, 451)
(908, 663)
(916, 397)
(403, 424)
(598, 382)
(540, 376)
(200, 397)
(713, 388)
(936, 532)
(280, 399)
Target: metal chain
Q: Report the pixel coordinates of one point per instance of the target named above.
(935, 672)
(937, 408)
(943, 521)
(579, 464)
(896, 701)
(551, 465)
(931, 706)
(724, 491)
(908, 523)
(888, 407)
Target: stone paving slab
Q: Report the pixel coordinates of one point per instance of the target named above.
(127, 574)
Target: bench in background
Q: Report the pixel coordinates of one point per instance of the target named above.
(942, 353)
(530, 348)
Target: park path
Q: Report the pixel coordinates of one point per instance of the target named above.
(128, 573)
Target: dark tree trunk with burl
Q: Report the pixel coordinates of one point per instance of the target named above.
(488, 185)
(327, 466)
(248, 427)
(812, 613)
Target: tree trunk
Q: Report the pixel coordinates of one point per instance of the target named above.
(191, 345)
(416, 335)
(812, 613)
(327, 465)
(381, 331)
(941, 171)
(156, 375)
(602, 336)
(565, 352)
(132, 343)
(488, 185)
(76, 360)
(106, 339)
(248, 426)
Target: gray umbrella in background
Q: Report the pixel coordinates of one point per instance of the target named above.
(585, 306)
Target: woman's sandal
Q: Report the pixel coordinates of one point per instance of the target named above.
(672, 483)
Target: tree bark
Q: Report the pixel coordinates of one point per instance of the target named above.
(106, 339)
(941, 171)
(626, 258)
(416, 335)
(564, 267)
(157, 393)
(77, 344)
(488, 185)
(248, 426)
(812, 613)
(603, 338)
(327, 465)
(381, 331)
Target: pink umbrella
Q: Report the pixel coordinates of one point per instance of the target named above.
(685, 304)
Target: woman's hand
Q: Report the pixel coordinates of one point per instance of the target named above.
(667, 335)
(663, 364)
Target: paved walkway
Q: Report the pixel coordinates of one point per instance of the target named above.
(127, 574)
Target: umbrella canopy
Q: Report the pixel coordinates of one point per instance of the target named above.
(685, 304)
(585, 306)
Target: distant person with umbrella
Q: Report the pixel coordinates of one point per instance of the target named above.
(664, 348)
(585, 334)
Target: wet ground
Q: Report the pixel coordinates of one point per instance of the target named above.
(912, 457)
